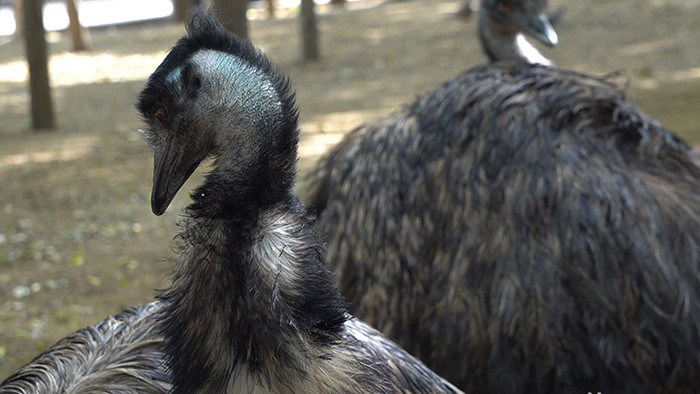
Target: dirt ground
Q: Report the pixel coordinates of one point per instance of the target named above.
(77, 238)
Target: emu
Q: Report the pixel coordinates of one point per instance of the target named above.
(252, 306)
(522, 229)
(502, 24)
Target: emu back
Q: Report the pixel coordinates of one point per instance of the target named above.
(121, 354)
(522, 229)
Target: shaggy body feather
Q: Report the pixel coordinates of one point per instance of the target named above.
(122, 354)
(522, 229)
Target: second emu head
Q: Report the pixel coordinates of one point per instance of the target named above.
(501, 23)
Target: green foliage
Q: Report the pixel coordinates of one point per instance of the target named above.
(77, 260)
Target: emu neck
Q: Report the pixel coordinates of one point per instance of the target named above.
(239, 311)
(504, 41)
(235, 190)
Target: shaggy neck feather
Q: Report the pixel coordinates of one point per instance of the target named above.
(250, 284)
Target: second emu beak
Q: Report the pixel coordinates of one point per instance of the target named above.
(538, 27)
(171, 168)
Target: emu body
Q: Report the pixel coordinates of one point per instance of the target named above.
(522, 230)
(502, 24)
(252, 306)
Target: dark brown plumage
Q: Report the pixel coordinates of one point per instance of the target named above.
(522, 230)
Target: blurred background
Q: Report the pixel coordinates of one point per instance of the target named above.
(77, 238)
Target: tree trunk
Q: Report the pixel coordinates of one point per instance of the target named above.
(309, 31)
(180, 9)
(37, 58)
(232, 13)
(80, 36)
(467, 10)
(271, 9)
(19, 18)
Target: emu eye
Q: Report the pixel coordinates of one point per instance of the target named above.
(505, 5)
(159, 114)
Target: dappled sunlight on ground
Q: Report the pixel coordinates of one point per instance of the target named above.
(82, 68)
(648, 47)
(15, 71)
(69, 148)
(315, 145)
(71, 69)
(661, 79)
(687, 74)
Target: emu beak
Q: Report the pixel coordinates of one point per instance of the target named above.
(538, 27)
(171, 168)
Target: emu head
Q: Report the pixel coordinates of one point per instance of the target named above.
(214, 94)
(526, 15)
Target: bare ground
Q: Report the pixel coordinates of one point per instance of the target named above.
(77, 238)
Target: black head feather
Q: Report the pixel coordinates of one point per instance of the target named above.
(205, 32)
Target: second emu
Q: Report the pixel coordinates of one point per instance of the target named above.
(522, 230)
